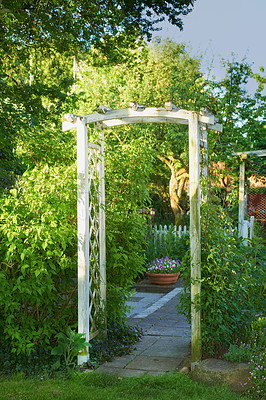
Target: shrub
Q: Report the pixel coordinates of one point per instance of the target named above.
(38, 247)
(124, 259)
(128, 167)
(230, 281)
(38, 258)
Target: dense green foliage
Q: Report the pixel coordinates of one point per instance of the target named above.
(38, 258)
(232, 288)
(152, 75)
(128, 164)
(69, 24)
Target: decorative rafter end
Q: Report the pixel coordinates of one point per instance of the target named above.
(136, 106)
(170, 106)
(103, 109)
(70, 118)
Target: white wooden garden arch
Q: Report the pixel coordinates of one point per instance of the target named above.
(91, 229)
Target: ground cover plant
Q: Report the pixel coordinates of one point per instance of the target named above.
(95, 386)
(252, 350)
(61, 360)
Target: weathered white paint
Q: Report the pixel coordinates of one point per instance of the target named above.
(248, 229)
(67, 125)
(102, 222)
(251, 226)
(149, 114)
(204, 161)
(241, 208)
(242, 224)
(259, 153)
(195, 250)
(160, 232)
(83, 230)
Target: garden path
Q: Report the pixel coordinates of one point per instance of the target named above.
(165, 344)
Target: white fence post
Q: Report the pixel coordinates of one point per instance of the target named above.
(251, 225)
(247, 229)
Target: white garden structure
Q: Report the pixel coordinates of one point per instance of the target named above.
(91, 216)
(245, 227)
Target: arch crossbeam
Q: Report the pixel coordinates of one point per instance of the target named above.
(126, 116)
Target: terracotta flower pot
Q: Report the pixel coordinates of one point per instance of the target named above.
(163, 279)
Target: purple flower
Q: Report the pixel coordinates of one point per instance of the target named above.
(164, 266)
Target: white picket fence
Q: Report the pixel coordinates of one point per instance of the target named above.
(246, 230)
(160, 232)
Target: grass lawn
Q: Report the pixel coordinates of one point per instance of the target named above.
(96, 386)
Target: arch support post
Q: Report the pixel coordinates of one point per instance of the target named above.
(83, 235)
(195, 248)
(102, 233)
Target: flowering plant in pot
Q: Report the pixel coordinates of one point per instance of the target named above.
(163, 271)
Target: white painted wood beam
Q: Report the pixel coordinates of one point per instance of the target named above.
(102, 231)
(260, 153)
(83, 235)
(241, 207)
(142, 119)
(130, 113)
(194, 230)
(66, 126)
(125, 116)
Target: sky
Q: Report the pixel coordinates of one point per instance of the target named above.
(216, 28)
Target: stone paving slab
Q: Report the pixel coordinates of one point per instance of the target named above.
(144, 286)
(168, 347)
(166, 339)
(155, 363)
(141, 301)
(158, 304)
(146, 342)
(170, 331)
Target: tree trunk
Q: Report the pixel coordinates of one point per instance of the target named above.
(176, 186)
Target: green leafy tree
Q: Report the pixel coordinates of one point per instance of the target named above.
(40, 38)
(65, 23)
(243, 117)
(155, 74)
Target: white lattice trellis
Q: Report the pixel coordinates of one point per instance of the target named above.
(91, 233)
(94, 237)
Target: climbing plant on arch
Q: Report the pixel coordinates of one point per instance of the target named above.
(91, 216)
